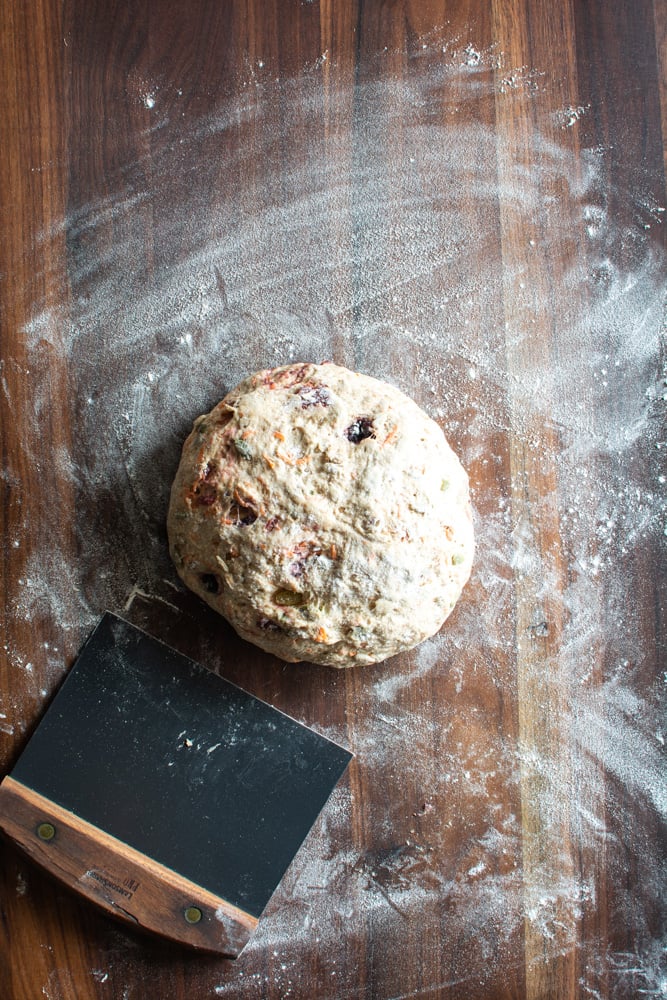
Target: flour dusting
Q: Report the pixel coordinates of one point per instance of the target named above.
(302, 222)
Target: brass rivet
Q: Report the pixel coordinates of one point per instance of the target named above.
(193, 915)
(46, 831)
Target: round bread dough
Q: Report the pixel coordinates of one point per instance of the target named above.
(324, 514)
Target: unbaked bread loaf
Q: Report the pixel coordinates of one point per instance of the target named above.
(324, 514)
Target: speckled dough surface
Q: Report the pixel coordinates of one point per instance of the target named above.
(323, 513)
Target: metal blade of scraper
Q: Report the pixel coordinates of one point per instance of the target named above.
(168, 796)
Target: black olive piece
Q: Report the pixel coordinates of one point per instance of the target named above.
(268, 626)
(241, 515)
(210, 583)
(361, 429)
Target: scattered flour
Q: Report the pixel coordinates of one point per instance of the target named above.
(270, 233)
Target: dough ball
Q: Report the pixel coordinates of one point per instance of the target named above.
(323, 514)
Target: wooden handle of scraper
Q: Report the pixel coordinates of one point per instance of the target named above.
(123, 881)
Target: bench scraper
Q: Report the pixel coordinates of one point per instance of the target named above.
(165, 794)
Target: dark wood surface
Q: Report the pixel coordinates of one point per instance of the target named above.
(466, 199)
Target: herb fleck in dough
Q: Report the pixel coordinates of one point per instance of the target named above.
(323, 513)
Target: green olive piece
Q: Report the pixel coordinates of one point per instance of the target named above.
(289, 598)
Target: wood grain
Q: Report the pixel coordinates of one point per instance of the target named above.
(553, 971)
(490, 841)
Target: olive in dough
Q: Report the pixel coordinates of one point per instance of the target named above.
(324, 514)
